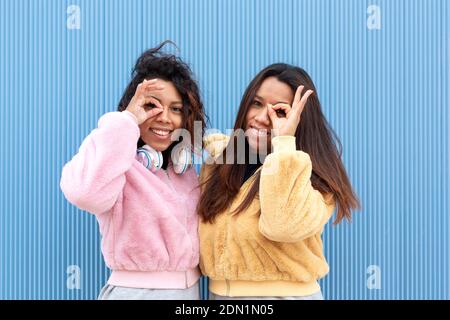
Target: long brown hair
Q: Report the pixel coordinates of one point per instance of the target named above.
(313, 136)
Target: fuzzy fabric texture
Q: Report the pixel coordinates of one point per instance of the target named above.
(279, 236)
(148, 221)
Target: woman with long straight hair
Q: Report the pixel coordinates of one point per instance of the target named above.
(269, 190)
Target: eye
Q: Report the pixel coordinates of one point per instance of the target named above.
(149, 106)
(280, 113)
(256, 103)
(177, 109)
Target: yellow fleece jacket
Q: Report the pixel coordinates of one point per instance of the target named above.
(274, 247)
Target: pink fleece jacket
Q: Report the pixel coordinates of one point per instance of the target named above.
(148, 221)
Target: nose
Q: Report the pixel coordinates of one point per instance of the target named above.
(263, 116)
(164, 116)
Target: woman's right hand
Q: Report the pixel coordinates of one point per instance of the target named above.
(143, 105)
(287, 126)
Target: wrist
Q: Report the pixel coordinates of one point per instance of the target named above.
(131, 115)
(279, 132)
(283, 143)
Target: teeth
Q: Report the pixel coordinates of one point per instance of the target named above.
(261, 132)
(162, 133)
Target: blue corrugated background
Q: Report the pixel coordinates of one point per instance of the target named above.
(386, 93)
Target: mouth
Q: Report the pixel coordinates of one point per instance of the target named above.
(260, 132)
(163, 133)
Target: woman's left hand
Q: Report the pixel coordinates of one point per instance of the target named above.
(286, 126)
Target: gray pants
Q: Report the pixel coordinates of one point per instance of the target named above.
(110, 292)
(315, 296)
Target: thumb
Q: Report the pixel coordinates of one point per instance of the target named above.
(154, 111)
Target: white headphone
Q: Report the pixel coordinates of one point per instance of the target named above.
(153, 159)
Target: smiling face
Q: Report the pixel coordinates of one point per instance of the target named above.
(257, 121)
(157, 131)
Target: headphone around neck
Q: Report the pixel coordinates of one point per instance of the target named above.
(153, 159)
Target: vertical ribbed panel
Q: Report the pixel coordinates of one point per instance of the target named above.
(385, 92)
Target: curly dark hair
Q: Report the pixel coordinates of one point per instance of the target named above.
(154, 63)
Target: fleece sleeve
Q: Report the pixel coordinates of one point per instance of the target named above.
(94, 178)
(291, 209)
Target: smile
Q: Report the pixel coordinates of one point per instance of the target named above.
(161, 132)
(260, 132)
